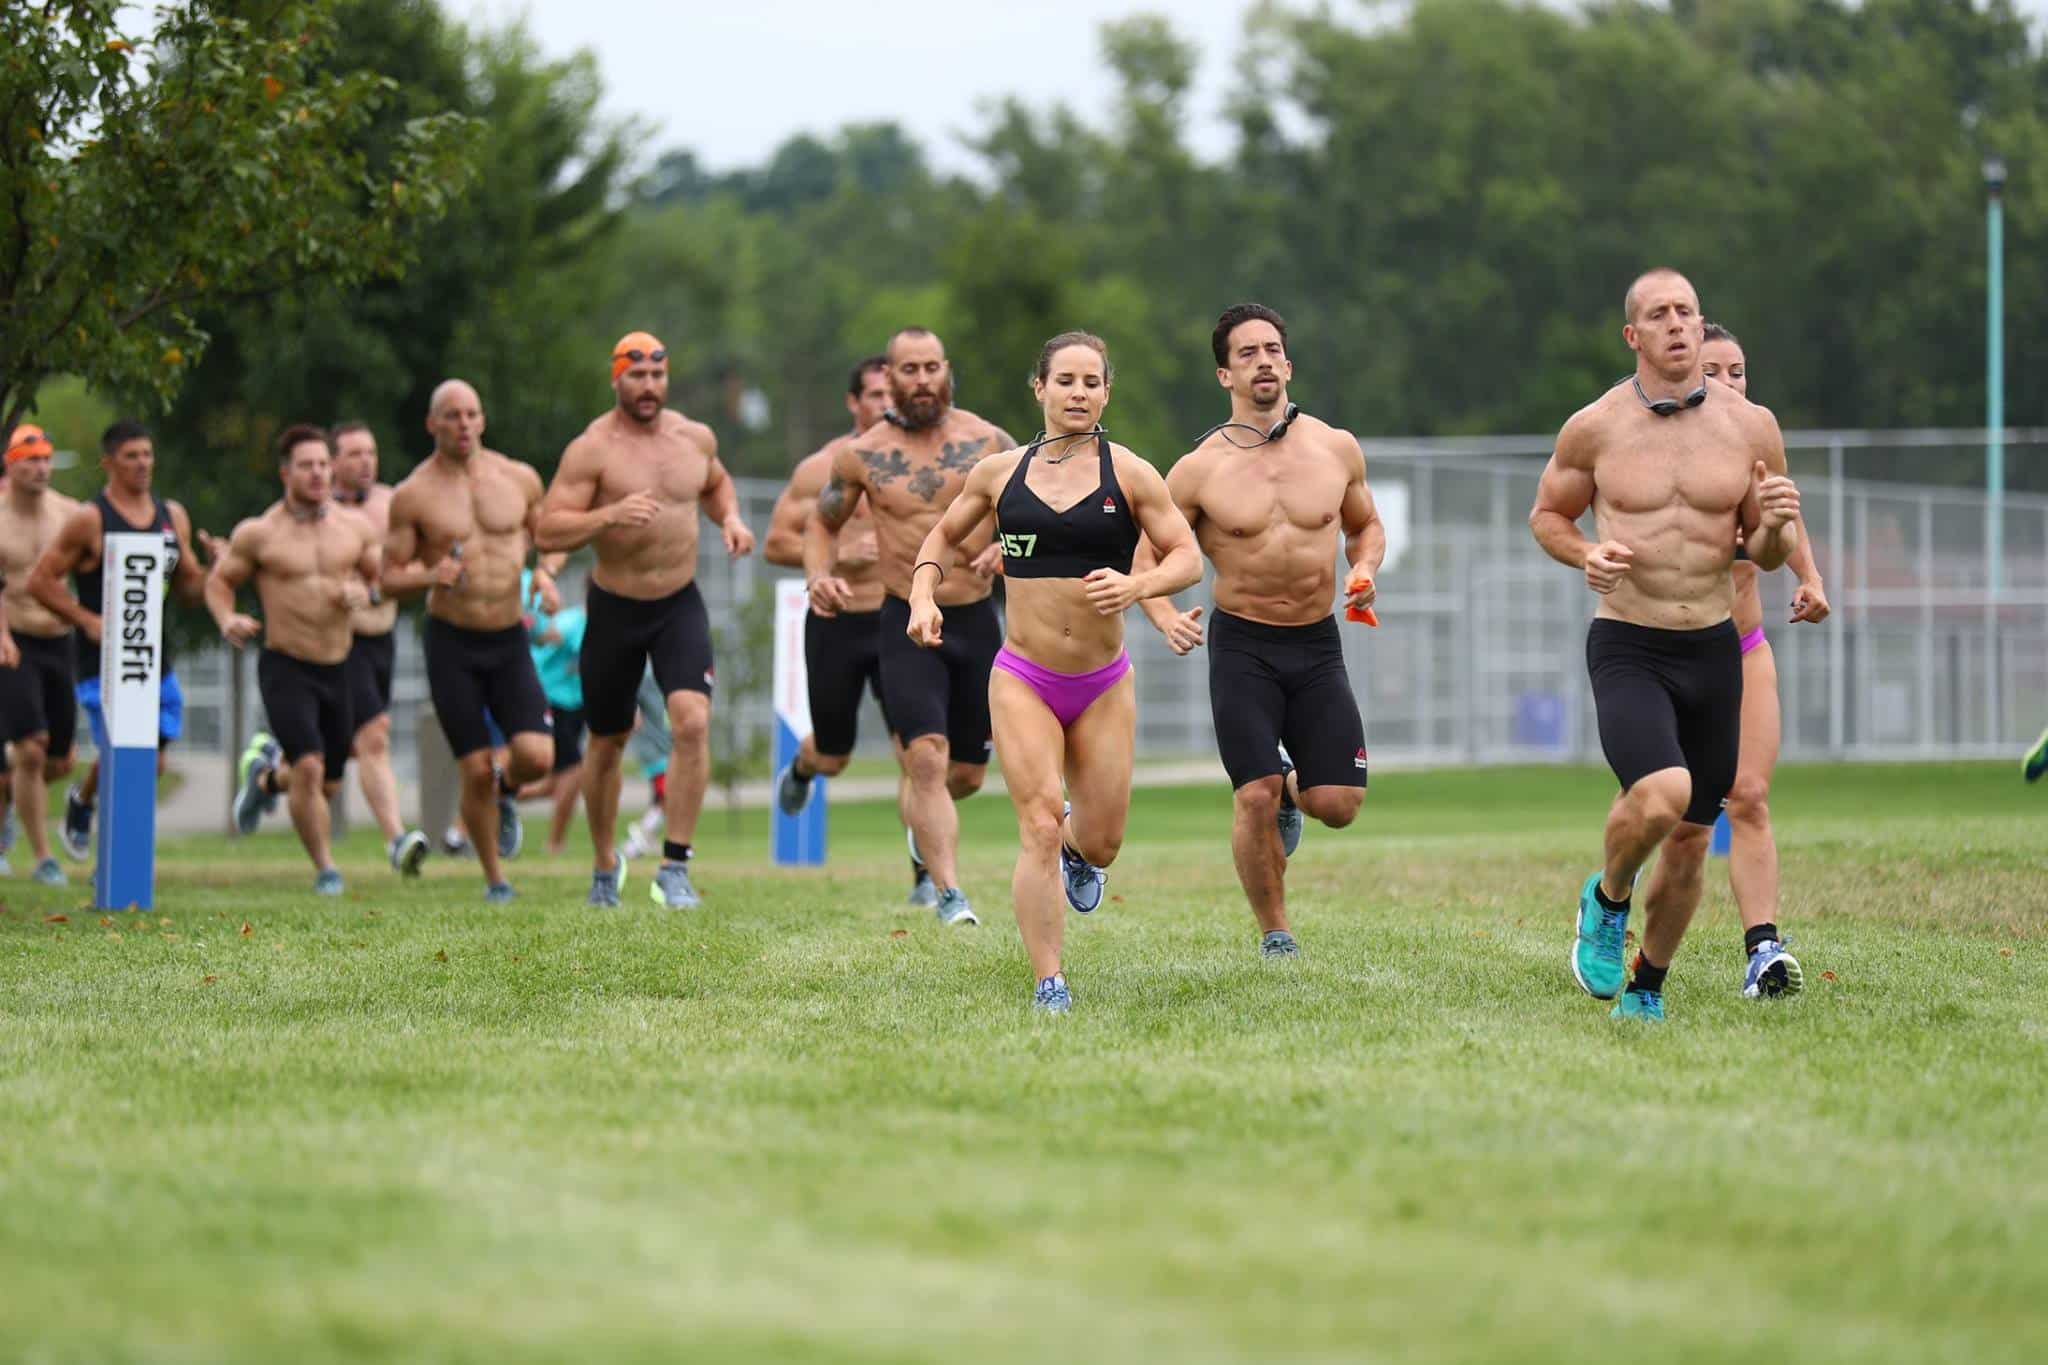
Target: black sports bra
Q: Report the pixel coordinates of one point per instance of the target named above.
(1098, 532)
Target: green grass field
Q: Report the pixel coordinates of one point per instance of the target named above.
(807, 1124)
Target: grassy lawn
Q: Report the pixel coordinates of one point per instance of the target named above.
(806, 1123)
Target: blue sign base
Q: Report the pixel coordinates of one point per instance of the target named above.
(1724, 837)
(126, 875)
(799, 840)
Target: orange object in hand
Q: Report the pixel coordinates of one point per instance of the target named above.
(1358, 583)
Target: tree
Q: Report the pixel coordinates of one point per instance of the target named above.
(143, 179)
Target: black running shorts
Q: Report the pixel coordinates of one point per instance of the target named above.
(623, 636)
(1669, 699)
(568, 725)
(36, 697)
(941, 691)
(307, 708)
(370, 662)
(842, 656)
(1274, 685)
(470, 672)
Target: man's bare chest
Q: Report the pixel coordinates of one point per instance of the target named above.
(914, 478)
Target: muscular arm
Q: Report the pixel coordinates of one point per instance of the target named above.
(1365, 536)
(1166, 533)
(785, 546)
(1769, 547)
(720, 500)
(1183, 489)
(189, 580)
(370, 563)
(836, 501)
(46, 582)
(1562, 497)
(567, 520)
(234, 568)
(403, 573)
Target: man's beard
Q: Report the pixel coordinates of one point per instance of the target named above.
(920, 413)
(641, 411)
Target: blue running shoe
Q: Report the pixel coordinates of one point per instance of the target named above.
(1052, 995)
(328, 883)
(1289, 819)
(1772, 972)
(48, 873)
(499, 893)
(605, 887)
(2036, 761)
(1279, 943)
(792, 793)
(1084, 879)
(1647, 1006)
(1596, 953)
(953, 907)
(671, 888)
(511, 830)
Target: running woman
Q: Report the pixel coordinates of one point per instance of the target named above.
(1069, 508)
(1753, 849)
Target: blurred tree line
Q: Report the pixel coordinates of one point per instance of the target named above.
(1446, 202)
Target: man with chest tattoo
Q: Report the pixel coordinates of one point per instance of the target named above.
(1267, 493)
(38, 710)
(1673, 465)
(373, 655)
(634, 484)
(461, 526)
(314, 565)
(906, 470)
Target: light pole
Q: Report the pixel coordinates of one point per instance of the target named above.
(1994, 372)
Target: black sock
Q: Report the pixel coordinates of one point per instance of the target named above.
(267, 782)
(1646, 977)
(673, 852)
(1600, 894)
(796, 768)
(1761, 934)
(505, 787)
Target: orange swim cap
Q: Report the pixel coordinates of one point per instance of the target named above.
(27, 442)
(635, 347)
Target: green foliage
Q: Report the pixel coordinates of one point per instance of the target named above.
(145, 177)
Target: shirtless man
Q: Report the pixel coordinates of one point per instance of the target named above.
(842, 652)
(373, 653)
(634, 483)
(128, 505)
(1673, 465)
(1267, 493)
(908, 469)
(38, 712)
(314, 564)
(461, 526)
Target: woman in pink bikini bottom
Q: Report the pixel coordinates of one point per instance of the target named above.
(1069, 509)
(1753, 849)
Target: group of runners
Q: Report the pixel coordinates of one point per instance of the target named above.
(902, 527)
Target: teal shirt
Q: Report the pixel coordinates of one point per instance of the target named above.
(561, 676)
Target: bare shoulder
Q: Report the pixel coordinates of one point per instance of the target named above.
(688, 429)
(1584, 433)
(1341, 444)
(251, 533)
(813, 469)
(358, 522)
(519, 471)
(1129, 464)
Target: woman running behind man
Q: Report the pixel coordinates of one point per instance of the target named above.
(1069, 508)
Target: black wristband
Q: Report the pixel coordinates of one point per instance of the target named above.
(934, 563)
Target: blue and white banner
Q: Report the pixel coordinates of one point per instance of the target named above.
(799, 840)
(131, 686)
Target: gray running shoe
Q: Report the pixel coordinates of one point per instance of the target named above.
(671, 887)
(1052, 995)
(1084, 880)
(511, 832)
(1289, 819)
(76, 833)
(792, 793)
(499, 893)
(252, 802)
(606, 886)
(328, 883)
(49, 872)
(953, 907)
(924, 892)
(1279, 943)
(408, 851)
(8, 826)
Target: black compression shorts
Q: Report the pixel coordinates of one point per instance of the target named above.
(941, 691)
(370, 663)
(568, 725)
(307, 706)
(1274, 685)
(36, 697)
(1669, 699)
(470, 672)
(623, 636)
(842, 655)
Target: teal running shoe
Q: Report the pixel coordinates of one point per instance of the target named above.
(671, 888)
(953, 908)
(1647, 1006)
(328, 883)
(499, 893)
(2036, 761)
(605, 887)
(1597, 952)
(1052, 995)
(1278, 943)
(49, 873)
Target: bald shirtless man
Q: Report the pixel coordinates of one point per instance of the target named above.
(842, 652)
(314, 565)
(1673, 465)
(1267, 492)
(38, 712)
(373, 653)
(633, 484)
(907, 469)
(461, 526)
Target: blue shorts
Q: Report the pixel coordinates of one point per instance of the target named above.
(170, 715)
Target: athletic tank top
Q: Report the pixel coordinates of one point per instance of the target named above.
(91, 582)
(1098, 532)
